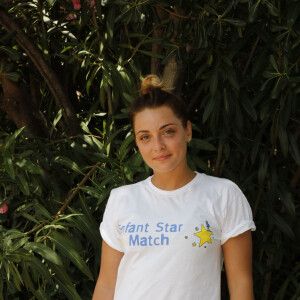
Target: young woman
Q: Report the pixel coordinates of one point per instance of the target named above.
(165, 238)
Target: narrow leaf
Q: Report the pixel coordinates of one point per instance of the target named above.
(46, 252)
(67, 247)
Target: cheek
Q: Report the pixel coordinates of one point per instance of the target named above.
(143, 148)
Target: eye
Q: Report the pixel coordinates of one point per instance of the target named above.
(144, 137)
(169, 131)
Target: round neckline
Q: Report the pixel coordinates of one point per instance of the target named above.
(171, 192)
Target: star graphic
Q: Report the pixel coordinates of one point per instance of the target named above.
(204, 236)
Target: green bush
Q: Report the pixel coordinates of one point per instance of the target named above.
(235, 64)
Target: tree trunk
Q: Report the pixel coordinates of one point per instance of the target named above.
(157, 48)
(44, 69)
(20, 108)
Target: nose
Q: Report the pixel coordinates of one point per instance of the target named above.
(158, 143)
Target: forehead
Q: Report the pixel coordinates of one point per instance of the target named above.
(153, 118)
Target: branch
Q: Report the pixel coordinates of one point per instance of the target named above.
(295, 178)
(251, 54)
(176, 15)
(68, 200)
(42, 66)
(156, 48)
(219, 158)
(196, 96)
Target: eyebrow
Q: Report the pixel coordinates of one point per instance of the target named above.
(162, 127)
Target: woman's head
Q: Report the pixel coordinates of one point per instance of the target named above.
(154, 95)
(161, 127)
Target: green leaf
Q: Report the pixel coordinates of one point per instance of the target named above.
(88, 227)
(64, 282)
(30, 167)
(46, 252)
(263, 168)
(286, 198)
(209, 108)
(238, 23)
(283, 226)
(126, 146)
(57, 117)
(213, 84)
(200, 163)
(294, 149)
(56, 120)
(12, 53)
(12, 139)
(19, 243)
(67, 162)
(30, 217)
(67, 247)
(94, 192)
(110, 24)
(283, 139)
(22, 184)
(41, 210)
(12, 76)
(198, 144)
(248, 107)
(293, 13)
(9, 166)
(152, 54)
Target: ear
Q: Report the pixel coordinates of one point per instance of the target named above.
(188, 131)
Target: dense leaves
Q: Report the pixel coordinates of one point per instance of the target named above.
(235, 64)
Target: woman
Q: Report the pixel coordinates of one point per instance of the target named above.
(165, 238)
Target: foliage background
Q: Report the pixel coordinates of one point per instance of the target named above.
(69, 70)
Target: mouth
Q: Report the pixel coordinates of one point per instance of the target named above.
(162, 157)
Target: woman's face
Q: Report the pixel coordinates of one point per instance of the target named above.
(162, 139)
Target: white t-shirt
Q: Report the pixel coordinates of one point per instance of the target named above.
(172, 239)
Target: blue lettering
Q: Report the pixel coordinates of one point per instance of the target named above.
(164, 238)
(131, 228)
(134, 241)
(143, 241)
(159, 225)
(139, 227)
(146, 227)
(127, 226)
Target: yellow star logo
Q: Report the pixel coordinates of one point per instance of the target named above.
(204, 236)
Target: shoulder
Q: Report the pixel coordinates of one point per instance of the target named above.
(129, 189)
(219, 185)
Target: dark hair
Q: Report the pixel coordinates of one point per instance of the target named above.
(154, 95)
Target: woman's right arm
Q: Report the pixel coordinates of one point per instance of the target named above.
(110, 260)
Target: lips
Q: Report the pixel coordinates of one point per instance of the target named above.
(162, 157)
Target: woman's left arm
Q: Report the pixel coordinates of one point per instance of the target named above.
(237, 253)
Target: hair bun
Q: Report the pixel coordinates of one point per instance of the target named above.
(151, 82)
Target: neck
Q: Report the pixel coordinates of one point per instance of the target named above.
(172, 180)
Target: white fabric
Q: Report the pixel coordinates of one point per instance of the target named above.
(172, 239)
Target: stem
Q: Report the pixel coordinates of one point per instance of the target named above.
(68, 200)
(257, 201)
(268, 277)
(251, 55)
(295, 178)
(219, 158)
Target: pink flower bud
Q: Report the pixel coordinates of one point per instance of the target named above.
(3, 209)
(76, 4)
(92, 3)
(71, 16)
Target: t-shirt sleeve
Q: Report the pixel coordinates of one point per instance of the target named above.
(109, 227)
(238, 215)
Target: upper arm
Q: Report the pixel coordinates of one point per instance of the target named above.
(237, 253)
(110, 261)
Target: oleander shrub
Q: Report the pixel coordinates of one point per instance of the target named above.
(69, 70)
